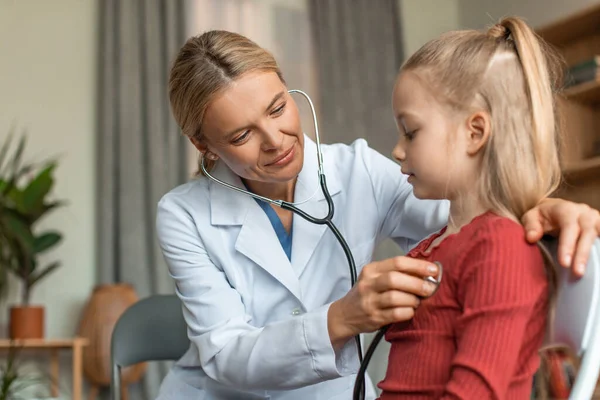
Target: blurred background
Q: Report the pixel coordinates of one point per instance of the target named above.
(85, 81)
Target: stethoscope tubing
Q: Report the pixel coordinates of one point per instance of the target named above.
(327, 220)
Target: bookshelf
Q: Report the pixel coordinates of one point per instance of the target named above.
(588, 92)
(577, 38)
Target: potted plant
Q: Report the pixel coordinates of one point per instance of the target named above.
(24, 190)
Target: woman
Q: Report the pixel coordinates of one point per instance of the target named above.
(266, 296)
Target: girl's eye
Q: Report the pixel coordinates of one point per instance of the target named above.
(241, 138)
(410, 135)
(279, 110)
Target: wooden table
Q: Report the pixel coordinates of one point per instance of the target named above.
(53, 346)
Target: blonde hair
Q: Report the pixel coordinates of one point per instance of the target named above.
(206, 65)
(513, 75)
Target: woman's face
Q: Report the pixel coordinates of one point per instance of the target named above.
(254, 127)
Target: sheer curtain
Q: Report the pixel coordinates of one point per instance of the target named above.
(280, 26)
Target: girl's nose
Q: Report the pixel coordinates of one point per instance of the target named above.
(398, 153)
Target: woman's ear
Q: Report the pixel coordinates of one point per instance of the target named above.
(199, 144)
(203, 149)
(479, 127)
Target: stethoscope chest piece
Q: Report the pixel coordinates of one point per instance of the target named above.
(436, 280)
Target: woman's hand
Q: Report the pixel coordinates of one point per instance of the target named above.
(578, 225)
(387, 291)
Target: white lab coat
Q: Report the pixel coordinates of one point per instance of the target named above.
(258, 322)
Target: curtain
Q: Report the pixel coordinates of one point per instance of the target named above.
(141, 153)
(359, 52)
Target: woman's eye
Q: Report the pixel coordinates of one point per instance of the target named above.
(278, 110)
(241, 138)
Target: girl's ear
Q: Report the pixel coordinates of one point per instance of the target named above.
(479, 126)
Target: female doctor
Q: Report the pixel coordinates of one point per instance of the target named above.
(267, 296)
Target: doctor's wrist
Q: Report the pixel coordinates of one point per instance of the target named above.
(339, 331)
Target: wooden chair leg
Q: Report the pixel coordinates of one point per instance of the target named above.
(124, 392)
(94, 391)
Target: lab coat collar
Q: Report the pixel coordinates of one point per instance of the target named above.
(229, 207)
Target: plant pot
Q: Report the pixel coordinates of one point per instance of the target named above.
(26, 322)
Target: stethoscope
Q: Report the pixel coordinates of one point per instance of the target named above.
(359, 388)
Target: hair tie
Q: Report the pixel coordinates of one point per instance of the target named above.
(499, 31)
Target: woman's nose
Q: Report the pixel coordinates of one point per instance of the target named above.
(398, 153)
(272, 139)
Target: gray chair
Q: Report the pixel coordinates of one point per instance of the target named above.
(153, 329)
(577, 320)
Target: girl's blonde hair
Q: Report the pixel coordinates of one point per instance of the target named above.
(512, 74)
(205, 65)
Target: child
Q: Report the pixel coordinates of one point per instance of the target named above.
(476, 115)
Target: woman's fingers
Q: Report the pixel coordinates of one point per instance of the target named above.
(589, 233)
(412, 266)
(387, 291)
(398, 281)
(397, 299)
(577, 226)
(401, 274)
(398, 314)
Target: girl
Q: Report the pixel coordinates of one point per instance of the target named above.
(476, 114)
(265, 295)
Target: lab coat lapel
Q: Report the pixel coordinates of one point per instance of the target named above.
(257, 239)
(306, 235)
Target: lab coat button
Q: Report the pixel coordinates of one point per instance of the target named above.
(296, 311)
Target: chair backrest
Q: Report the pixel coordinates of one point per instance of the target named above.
(577, 319)
(153, 329)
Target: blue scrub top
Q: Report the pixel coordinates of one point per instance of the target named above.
(284, 238)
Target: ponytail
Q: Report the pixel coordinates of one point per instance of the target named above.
(541, 72)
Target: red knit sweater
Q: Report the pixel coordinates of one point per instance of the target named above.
(478, 336)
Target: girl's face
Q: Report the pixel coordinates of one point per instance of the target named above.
(434, 148)
(254, 127)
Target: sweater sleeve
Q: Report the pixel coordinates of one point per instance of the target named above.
(502, 283)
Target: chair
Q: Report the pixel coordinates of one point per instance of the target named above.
(577, 319)
(153, 329)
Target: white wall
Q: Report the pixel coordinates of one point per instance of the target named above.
(424, 20)
(480, 13)
(47, 86)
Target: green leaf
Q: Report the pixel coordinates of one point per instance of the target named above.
(46, 207)
(33, 279)
(36, 191)
(45, 241)
(5, 147)
(16, 160)
(13, 179)
(19, 229)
